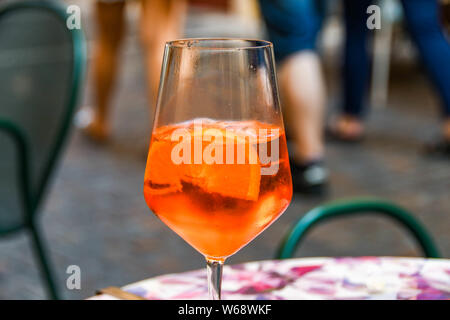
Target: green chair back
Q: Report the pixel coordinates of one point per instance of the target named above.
(41, 67)
(356, 207)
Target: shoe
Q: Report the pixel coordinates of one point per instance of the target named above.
(310, 178)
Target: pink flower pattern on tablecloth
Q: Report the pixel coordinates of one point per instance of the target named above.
(311, 278)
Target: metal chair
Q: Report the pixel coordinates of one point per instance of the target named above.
(41, 68)
(356, 207)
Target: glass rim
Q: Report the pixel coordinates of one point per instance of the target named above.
(195, 43)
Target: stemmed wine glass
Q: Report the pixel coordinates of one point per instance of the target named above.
(218, 170)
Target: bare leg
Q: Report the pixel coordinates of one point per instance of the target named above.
(161, 21)
(110, 20)
(303, 93)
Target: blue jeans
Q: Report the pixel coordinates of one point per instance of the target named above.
(422, 18)
(292, 25)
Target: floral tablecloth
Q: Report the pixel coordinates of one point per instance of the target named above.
(310, 278)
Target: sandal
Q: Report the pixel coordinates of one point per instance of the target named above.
(334, 135)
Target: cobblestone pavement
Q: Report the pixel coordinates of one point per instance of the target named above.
(95, 215)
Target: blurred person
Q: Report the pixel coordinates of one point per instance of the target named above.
(293, 26)
(422, 17)
(160, 21)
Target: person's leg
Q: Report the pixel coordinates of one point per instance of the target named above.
(422, 17)
(293, 27)
(355, 71)
(110, 28)
(161, 21)
(303, 93)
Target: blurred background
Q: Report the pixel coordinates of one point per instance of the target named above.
(94, 214)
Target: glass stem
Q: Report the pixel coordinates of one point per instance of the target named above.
(214, 271)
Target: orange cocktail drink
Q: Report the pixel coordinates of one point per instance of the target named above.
(218, 184)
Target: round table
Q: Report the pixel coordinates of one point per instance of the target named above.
(310, 278)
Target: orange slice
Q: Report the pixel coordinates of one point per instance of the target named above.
(160, 171)
(241, 181)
